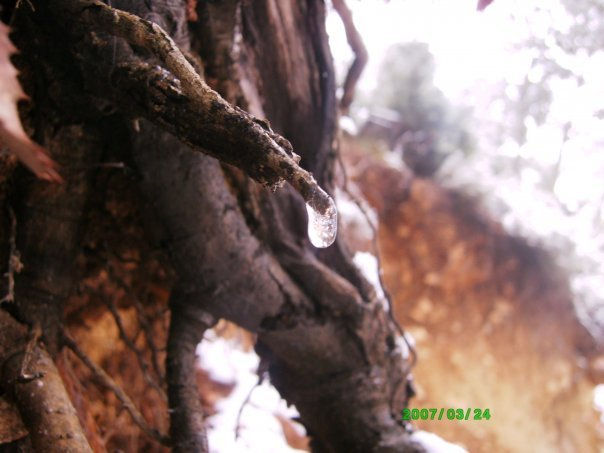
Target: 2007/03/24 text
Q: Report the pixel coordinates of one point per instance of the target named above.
(447, 414)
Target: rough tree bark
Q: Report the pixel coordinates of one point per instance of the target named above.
(240, 251)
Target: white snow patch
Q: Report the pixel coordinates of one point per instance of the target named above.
(353, 217)
(259, 430)
(599, 400)
(348, 125)
(368, 264)
(403, 344)
(435, 444)
(224, 360)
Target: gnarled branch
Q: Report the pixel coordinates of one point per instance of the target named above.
(42, 400)
(181, 102)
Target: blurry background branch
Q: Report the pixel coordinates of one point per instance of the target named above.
(355, 41)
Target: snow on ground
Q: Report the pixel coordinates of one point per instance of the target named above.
(259, 431)
(599, 402)
(435, 444)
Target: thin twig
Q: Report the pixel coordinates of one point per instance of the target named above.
(144, 366)
(29, 3)
(107, 381)
(376, 251)
(244, 404)
(355, 41)
(34, 335)
(117, 165)
(14, 260)
(144, 323)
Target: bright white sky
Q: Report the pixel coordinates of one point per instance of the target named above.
(468, 45)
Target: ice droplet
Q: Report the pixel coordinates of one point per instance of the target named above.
(322, 228)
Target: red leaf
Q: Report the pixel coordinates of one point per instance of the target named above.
(482, 4)
(12, 134)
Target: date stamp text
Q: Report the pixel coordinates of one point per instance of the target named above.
(446, 414)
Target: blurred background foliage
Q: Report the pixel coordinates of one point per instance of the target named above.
(528, 143)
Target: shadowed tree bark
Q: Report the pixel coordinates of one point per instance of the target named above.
(239, 249)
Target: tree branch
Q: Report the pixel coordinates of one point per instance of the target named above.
(182, 103)
(313, 326)
(355, 41)
(106, 381)
(43, 402)
(187, 326)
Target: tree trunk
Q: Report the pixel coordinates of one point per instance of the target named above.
(239, 250)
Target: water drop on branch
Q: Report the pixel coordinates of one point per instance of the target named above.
(322, 228)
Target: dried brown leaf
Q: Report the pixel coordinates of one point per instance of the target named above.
(482, 4)
(12, 134)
